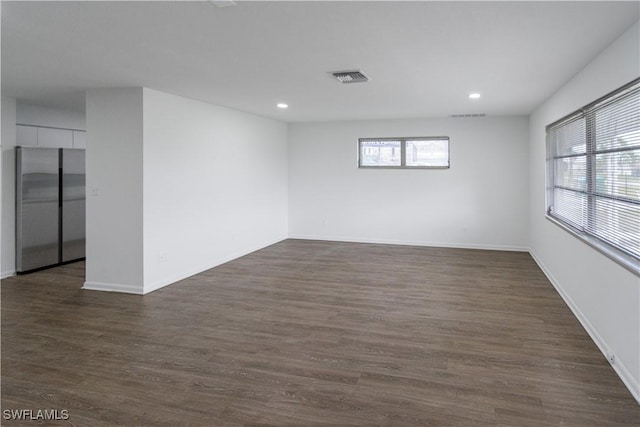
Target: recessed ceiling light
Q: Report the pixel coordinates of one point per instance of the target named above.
(474, 95)
(282, 105)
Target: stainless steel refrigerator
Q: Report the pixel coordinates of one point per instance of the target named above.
(50, 207)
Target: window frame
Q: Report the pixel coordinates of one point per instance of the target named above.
(403, 152)
(614, 252)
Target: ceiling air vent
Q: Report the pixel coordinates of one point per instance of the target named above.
(350, 76)
(466, 116)
(222, 3)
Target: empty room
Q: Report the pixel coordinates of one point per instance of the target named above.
(320, 213)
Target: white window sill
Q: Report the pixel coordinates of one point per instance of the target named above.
(627, 261)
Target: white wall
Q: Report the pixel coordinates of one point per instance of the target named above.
(8, 187)
(480, 202)
(215, 186)
(114, 190)
(35, 115)
(603, 295)
(1, 156)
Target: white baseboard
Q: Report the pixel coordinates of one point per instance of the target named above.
(112, 287)
(413, 243)
(204, 267)
(8, 273)
(629, 381)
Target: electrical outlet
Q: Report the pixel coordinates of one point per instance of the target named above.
(162, 259)
(611, 357)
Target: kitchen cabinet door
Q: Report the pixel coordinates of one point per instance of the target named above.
(26, 136)
(79, 139)
(55, 138)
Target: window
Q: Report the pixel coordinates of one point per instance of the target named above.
(594, 173)
(424, 152)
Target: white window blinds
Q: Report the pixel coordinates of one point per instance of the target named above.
(594, 170)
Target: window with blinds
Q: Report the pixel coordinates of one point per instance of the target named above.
(594, 170)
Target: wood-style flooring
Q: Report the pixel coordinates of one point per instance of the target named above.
(309, 333)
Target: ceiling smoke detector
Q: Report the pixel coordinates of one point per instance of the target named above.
(350, 76)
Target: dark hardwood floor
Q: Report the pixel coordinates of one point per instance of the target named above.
(312, 333)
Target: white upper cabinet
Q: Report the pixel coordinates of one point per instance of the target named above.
(26, 136)
(36, 136)
(79, 139)
(55, 138)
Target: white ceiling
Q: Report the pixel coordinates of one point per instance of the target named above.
(422, 58)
